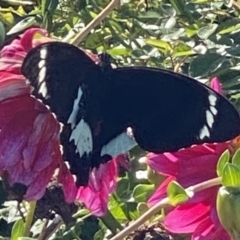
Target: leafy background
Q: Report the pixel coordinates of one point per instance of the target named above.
(199, 38)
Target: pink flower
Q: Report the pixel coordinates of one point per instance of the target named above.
(29, 137)
(102, 182)
(216, 85)
(188, 167)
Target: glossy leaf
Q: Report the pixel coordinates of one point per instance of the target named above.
(17, 230)
(142, 192)
(230, 176)
(223, 160)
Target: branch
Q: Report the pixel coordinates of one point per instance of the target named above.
(85, 31)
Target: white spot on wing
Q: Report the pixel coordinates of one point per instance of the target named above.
(73, 115)
(41, 63)
(204, 132)
(82, 137)
(43, 53)
(42, 74)
(211, 113)
(212, 99)
(119, 145)
(213, 110)
(43, 89)
(210, 118)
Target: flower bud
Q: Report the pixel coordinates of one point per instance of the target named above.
(228, 208)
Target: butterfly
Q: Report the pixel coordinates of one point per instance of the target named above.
(107, 111)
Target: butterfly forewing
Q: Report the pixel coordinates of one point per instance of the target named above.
(57, 71)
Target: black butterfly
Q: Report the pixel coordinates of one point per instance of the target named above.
(105, 110)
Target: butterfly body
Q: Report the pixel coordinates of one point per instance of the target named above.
(97, 104)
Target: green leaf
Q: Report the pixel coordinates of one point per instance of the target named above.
(229, 26)
(230, 176)
(170, 22)
(99, 235)
(204, 65)
(206, 31)
(142, 208)
(176, 193)
(230, 78)
(182, 50)
(149, 14)
(118, 51)
(110, 222)
(94, 40)
(175, 35)
(130, 210)
(179, 6)
(142, 192)
(228, 3)
(7, 18)
(17, 230)
(234, 51)
(115, 207)
(49, 6)
(236, 158)
(123, 189)
(223, 160)
(20, 26)
(160, 44)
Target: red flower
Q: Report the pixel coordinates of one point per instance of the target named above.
(29, 137)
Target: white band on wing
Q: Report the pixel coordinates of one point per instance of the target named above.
(119, 145)
(82, 137)
(73, 116)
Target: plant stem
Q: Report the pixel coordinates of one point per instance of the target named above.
(111, 223)
(29, 218)
(163, 203)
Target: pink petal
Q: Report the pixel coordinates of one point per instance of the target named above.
(207, 231)
(67, 181)
(160, 193)
(96, 202)
(188, 163)
(12, 86)
(186, 218)
(216, 85)
(13, 139)
(31, 36)
(102, 182)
